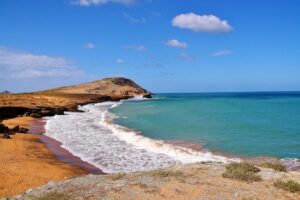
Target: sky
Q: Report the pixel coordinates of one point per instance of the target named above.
(165, 46)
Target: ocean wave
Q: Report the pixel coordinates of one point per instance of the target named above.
(181, 154)
(95, 138)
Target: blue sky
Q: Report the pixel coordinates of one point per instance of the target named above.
(165, 46)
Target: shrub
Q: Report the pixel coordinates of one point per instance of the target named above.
(290, 185)
(277, 166)
(117, 176)
(53, 196)
(242, 171)
(162, 173)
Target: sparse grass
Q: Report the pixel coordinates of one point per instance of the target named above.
(277, 166)
(289, 185)
(242, 171)
(117, 176)
(53, 196)
(163, 173)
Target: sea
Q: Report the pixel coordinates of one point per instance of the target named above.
(179, 128)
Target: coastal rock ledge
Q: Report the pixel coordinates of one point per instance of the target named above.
(57, 100)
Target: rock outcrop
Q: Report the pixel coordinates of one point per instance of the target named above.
(6, 132)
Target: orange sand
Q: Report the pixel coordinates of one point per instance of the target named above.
(25, 162)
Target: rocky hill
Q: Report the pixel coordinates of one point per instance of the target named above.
(57, 100)
(114, 87)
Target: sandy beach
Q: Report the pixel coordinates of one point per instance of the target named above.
(26, 162)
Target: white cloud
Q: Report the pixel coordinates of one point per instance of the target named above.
(201, 23)
(17, 64)
(120, 61)
(90, 45)
(187, 57)
(136, 47)
(133, 19)
(221, 53)
(176, 43)
(101, 2)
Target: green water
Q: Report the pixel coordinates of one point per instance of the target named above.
(247, 124)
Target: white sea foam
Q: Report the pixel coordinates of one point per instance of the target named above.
(93, 136)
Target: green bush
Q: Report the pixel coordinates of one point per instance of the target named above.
(242, 171)
(290, 185)
(277, 166)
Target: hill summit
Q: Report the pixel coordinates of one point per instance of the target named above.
(117, 86)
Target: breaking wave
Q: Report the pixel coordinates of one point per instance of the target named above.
(95, 138)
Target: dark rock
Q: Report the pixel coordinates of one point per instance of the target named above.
(18, 129)
(3, 128)
(11, 111)
(6, 136)
(35, 115)
(23, 130)
(26, 114)
(147, 95)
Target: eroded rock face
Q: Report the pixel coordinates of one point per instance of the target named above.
(35, 112)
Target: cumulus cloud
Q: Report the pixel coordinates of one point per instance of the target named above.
(201, 23)
(17, 64)
(176, 43)
(221, 53)
(120, 61)
(136, 47)
(133, 19)
(101, 2)
(187, 57)
(90, 45)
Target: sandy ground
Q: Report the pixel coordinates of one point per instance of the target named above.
(27, 163)
(190, 182)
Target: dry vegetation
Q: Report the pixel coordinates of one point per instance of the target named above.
(277, 166)
(46, 100)
(242, 171)
(197, 181)
(53, 196)
(289, 185)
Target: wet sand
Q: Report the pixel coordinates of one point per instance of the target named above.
(26, 162)
(37, 128)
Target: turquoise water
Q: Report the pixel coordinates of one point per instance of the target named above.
(242, 124)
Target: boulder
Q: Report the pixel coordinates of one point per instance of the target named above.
(35, 115)
(3, 128)
(23, 130)
(18, 129)
(6, 135)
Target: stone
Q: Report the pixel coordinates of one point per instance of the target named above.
(6, 135)
(35, 115)
(3, 128)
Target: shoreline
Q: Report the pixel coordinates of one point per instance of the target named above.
(37, 128)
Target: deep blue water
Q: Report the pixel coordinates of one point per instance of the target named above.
(243, 124)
